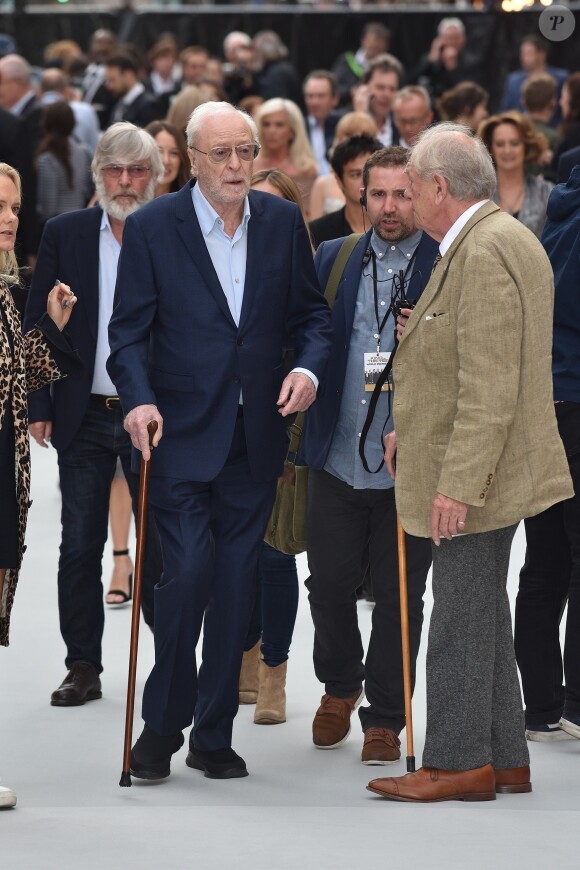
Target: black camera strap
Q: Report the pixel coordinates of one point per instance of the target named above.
(371, 414)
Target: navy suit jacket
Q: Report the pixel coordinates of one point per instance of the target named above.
(69, 250)
(321, 418)
(174, 342)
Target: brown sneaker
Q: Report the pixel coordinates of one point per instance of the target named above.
(381, 746)
(331, 725)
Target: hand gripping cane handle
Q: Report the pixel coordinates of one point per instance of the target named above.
(144, 475)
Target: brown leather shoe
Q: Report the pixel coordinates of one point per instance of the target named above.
(81, 684)
(513, 780)
(331, 725)
(381, 746)
(430, 785)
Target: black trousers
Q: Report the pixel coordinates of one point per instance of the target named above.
(342, 523)
(549, 579)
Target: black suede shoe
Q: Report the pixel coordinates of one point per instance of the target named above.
(81, 684)
(219, 764)
(151, 755)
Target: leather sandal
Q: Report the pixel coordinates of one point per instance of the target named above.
(121, 592)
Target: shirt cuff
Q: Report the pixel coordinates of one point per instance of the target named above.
(312, 377)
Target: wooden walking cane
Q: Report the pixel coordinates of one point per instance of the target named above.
(404, 608)
(144, 474)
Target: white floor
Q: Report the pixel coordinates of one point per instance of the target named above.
(299, 808)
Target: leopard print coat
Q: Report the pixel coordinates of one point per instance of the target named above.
(29, 367)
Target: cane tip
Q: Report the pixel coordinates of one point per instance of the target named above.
(125, 781)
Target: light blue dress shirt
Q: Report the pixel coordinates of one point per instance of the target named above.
(228, 255)
(343, 459)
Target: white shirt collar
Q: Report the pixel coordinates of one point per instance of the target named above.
(454, 231)
(18, 106)
(208, 216)
(132, 95)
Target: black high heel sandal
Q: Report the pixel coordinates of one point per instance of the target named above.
(121, 592)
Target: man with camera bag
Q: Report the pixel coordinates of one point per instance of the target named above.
(351, 511)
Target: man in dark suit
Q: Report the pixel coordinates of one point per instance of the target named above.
(351, 510)
(321, 98)
(16, 150)
(134, 103)
(211, 282)
(566, 164)
(348, 160)
(380, 82)
(18, 97)
(82, 415)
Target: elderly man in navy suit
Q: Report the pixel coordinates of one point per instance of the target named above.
(351, 509)
(212, 280)
(81, 416)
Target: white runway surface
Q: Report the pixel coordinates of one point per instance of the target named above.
(300, 808)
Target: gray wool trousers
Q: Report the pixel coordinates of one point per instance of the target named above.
(474, 705)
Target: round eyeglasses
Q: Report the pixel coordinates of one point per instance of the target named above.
(136, 171)
(246, 151)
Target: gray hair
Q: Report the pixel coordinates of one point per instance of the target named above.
(456, 153)
(269, 45)
(125, 143)
(203, 113)
(447, 23)
(236, 36)
(16, 67)
(410, 91)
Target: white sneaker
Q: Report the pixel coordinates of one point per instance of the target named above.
(7, 798)
(546, 733)
(571, 725)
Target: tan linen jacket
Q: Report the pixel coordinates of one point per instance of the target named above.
(473, 410)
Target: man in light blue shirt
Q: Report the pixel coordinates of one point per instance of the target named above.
(351, 509)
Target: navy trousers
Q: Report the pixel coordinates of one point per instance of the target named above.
(211, 536)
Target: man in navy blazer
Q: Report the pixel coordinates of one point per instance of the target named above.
(351, 510)
(81, 416)
(212, 280)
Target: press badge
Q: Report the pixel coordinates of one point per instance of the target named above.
(374, 364)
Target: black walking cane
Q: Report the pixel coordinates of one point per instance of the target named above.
(404, 608)
(144, 475)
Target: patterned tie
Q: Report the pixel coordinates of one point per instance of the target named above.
(436, 261)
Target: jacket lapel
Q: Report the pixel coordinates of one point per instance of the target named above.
(438, 276)
(192, 237)
(255, 257)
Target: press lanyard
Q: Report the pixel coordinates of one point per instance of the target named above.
(402, 279)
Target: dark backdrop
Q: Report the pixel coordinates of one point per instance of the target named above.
(314, 37)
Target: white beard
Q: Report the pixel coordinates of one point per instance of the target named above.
(120, 210)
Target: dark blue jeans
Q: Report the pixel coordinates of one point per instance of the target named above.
(86, 469)
(549, 579)
(274, 614)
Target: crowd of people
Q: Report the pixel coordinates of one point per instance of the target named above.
(251, 245)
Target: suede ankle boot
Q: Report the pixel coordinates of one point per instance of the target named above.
(249, 680)
(271, 703)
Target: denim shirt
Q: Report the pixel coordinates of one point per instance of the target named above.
(343, 459)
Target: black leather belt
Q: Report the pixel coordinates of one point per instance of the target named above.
(111, 403)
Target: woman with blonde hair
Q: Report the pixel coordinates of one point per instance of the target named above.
(515, 144)
(26, 363)
(327, 195)
(183, 105)
(285, 146)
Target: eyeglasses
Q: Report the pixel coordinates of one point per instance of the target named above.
(116, 171)
(246, 151)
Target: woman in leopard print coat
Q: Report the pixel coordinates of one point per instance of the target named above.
(26, 363)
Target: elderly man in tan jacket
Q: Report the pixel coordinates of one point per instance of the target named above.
(477, 450)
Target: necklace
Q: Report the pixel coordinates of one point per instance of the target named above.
(514, 204)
